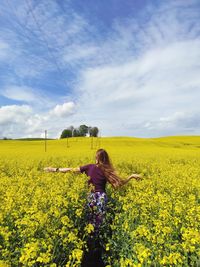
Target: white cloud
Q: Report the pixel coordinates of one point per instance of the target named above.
(24, 121)
(63, 110)
(20, 121)
(160, 75)
(14, 114)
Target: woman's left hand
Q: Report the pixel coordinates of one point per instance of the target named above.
(136, 176)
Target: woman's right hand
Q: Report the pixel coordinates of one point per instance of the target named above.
(50, 169)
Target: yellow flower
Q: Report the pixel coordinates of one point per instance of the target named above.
(89, 228)
(107, 247)
(79, 212)
(65, 220)
(4, 264)
(44, 212)
(77, 254)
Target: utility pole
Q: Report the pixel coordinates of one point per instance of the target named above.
(91, 142)
(99, 139)
(67, 142)
(45, 140)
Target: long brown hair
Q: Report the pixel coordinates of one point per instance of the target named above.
(104, 163)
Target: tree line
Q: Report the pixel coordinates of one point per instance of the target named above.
(82, 130)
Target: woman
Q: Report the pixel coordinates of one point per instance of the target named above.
(99, 173)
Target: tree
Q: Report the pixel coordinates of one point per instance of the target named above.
(93, 131)
(83, 130)
(76, 133)
(66, 133)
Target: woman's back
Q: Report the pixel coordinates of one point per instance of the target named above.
(97, 178)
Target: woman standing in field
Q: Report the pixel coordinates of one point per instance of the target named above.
(99, 174)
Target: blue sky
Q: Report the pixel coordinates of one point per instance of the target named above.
(130, 68)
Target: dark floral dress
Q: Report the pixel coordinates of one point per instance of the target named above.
(97, 202)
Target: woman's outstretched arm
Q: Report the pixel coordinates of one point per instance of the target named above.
(52, 169)
(132, 176)
(135, 176)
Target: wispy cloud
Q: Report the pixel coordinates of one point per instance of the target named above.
(160, 78)
(177, 124)
(4, 50)
(32, 96)
(19, 93)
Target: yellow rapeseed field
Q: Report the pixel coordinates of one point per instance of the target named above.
(153, 222)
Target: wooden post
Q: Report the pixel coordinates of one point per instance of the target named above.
(45, 140)
(99, 141)
(91, 142)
